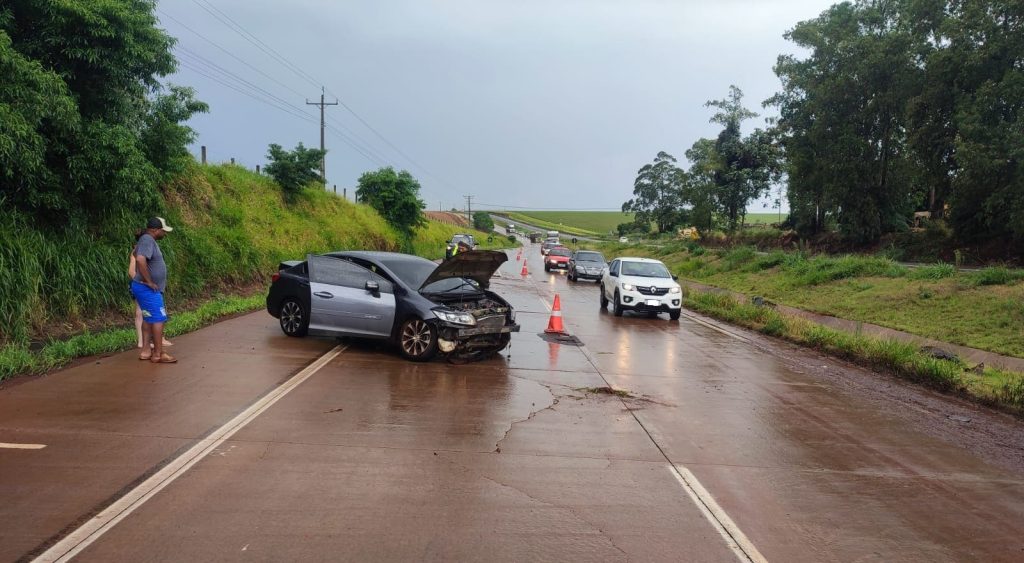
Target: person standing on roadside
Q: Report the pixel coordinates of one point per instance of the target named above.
(132, 271)
(148, 288)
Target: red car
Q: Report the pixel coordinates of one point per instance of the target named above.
(557, 259)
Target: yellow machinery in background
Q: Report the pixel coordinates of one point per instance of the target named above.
(689, 233)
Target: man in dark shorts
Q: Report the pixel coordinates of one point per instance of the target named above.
(148, 288)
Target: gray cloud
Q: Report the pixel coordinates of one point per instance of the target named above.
(529, 103)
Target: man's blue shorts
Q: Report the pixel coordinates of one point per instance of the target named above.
(151, 302)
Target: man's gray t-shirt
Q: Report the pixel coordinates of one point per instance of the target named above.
(154, 260)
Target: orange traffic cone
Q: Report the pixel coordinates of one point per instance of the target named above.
(555, 323)
(525, 272)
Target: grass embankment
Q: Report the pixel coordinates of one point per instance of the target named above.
(980, 309)
(232, 228)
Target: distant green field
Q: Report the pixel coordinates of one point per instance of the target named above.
(600, 222)
(764, 218)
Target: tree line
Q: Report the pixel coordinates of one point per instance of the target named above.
(900, 106)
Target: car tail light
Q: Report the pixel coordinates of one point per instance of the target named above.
(275, 277)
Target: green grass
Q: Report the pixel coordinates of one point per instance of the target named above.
(18, 359)
(232, 228)
(522, 217)
(993, 386)
(430, 241)
(983, 309)
(764, 218)
(598, 222)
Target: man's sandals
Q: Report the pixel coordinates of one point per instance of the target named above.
(164, 358)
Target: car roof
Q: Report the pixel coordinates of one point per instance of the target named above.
(376, 255)
(636, 259)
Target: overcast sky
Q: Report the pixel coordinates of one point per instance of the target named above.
(527, 103)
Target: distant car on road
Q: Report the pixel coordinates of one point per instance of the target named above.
(548, 245)
(642, 285)
(587, 265)
(557, 259)
(422, 307)
(454, 243)
(623, 239)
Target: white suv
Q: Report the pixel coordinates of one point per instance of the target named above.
(642, 285)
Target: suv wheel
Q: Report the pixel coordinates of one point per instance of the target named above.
(617, 305)
(674, 315)
(294, 321)
(604, 298)
(417, 340)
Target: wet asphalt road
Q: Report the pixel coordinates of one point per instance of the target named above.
(726, 450)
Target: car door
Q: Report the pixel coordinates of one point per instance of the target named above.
(610, 277)
(346, 298)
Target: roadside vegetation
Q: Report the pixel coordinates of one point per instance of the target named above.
(981, 309)
(989, 385)
(599, 222)
(232, 228)
(519, 218)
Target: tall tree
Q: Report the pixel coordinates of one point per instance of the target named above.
(745, 166)
(77, 86)
(843, 120)
(700, 187)
(395, 195)
(657, 192)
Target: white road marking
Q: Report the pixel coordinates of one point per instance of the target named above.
(730, 532)
(100, 524)
(9, 446)
(734, 538)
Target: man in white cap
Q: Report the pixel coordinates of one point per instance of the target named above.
(148, 288)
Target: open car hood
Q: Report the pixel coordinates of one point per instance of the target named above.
(477, 265)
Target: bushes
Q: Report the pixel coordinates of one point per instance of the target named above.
(232, 227)
(938, 271)
(818, 270)
(994, 276)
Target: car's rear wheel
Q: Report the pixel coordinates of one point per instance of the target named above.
(417, 340)
(294, 321)
(617, 305)
(604, 298)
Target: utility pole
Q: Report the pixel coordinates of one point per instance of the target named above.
(323, 126)
(469, 209)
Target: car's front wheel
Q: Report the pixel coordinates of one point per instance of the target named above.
(294, 321)
(617, 305)
(604, 298)
(417, 340)
(674, 315)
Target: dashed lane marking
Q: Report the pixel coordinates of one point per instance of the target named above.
(9, 446)
(87, 533)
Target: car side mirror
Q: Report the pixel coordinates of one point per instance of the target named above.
(373, 287)
(613, 274)
(675, 278)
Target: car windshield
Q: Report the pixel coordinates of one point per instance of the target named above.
(645, 270)
(415, 272)
(590, 257)
(462, 238)
(560, 252)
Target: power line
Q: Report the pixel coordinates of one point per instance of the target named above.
(229, 53)
(298, 71)
(263, 46)
(256, 41)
